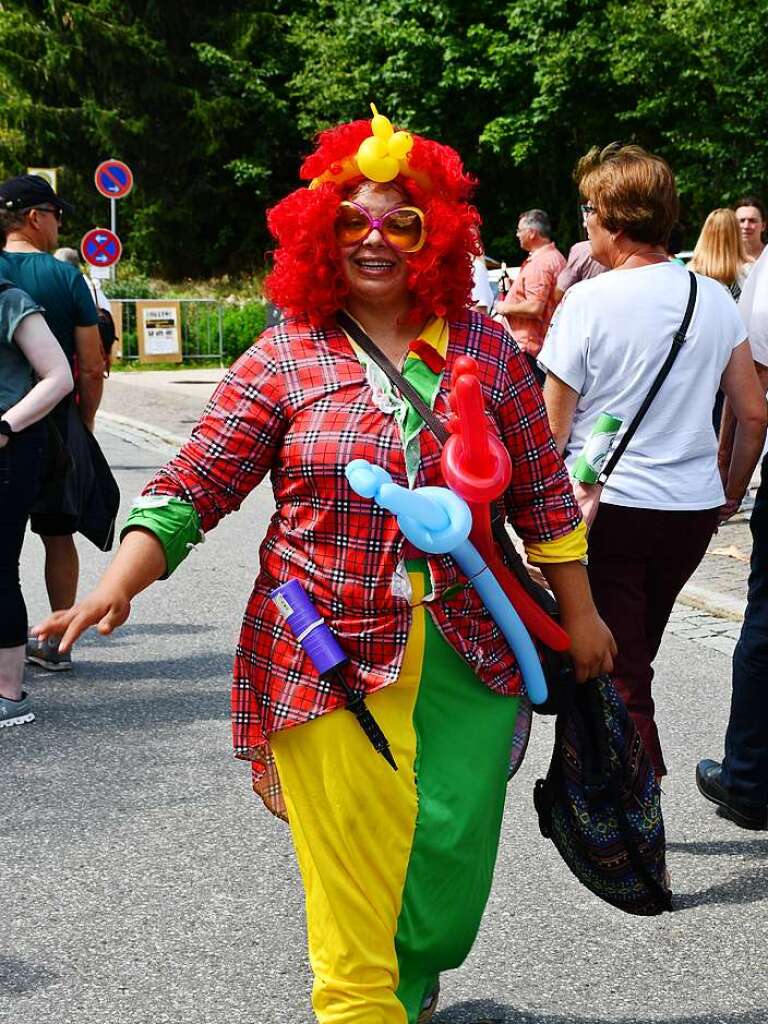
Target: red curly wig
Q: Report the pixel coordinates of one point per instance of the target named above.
(306, 279)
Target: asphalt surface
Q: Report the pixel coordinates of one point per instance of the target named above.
(145, 884)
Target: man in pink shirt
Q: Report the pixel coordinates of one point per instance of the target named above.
(531, 300)
(580, 266)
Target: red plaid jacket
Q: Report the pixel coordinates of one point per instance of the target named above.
(297, 405)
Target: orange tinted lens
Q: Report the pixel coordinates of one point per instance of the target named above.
(402, 229)
(351, 226)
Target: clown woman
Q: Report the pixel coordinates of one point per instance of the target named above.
(397, 866)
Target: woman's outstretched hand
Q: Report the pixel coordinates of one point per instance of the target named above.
(105, 608)
(592, 645)
(140, 560)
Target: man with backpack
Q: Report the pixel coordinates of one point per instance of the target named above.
(106, 324)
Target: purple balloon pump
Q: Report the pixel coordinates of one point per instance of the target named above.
(322, 647)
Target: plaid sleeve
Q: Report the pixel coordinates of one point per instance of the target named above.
(540, 502)
(234, 443)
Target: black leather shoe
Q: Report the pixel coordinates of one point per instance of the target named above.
(746, 815)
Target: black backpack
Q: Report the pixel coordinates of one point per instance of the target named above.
(107, 330)
(108, 336)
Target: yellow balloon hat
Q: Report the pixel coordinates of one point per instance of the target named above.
(381, 157)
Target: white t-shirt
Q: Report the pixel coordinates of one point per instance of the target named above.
(608, 341)
(753, 306)
(101, 300)
(482, 293)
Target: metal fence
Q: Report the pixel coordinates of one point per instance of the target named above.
(202, 335)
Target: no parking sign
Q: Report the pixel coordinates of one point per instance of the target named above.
(113, 179)
(101, 247)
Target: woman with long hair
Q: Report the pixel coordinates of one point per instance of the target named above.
(720, 254)
(719, 251)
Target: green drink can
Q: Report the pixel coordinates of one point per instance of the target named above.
(589, 464)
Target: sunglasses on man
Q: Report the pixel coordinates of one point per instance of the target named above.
(57, 213)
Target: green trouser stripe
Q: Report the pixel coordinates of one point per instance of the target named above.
(464, 736)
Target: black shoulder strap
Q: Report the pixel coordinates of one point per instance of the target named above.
(677, 343)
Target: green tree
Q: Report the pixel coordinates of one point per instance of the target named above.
(189, 97)
(523, 89)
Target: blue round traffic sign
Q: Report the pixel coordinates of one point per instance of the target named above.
(114, 179)
(101, 247)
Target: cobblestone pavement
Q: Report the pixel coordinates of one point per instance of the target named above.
(720, 582)
(712, 631)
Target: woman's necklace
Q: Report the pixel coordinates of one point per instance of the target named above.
(644, 259)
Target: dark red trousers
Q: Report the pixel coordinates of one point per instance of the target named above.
(639, 561)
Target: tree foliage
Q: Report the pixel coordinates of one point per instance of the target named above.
(214, 105)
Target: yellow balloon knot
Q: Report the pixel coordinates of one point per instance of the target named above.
(382, 156)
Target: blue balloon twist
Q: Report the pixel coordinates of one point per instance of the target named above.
(438, 521)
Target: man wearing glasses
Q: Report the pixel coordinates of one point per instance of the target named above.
(531, 300)
(30, 217)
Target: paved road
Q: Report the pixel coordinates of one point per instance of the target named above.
(144, 884)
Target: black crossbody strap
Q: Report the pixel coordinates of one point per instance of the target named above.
(677, 343)
(498, 518)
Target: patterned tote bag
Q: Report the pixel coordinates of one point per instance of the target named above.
(600, 803)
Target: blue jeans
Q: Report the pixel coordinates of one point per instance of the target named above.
(745, 768)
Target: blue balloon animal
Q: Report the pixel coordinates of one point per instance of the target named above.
(438, 521)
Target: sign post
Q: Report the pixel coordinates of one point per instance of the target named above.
(114, 180)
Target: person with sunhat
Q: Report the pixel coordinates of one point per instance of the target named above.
(397, 866)
(31, 214)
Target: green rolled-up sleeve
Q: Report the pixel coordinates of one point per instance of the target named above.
(175, 523)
